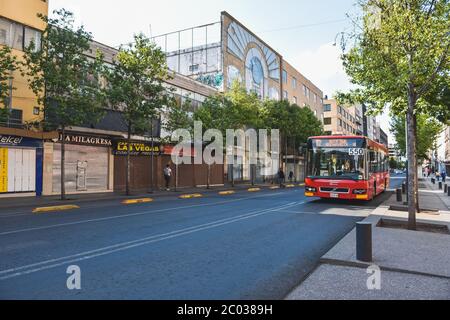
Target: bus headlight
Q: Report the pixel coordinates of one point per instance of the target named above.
(359, 191)
(310, 189)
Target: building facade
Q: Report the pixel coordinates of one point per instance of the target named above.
(338, 119)
(21, 148)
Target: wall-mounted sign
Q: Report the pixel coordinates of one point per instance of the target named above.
(16, 141)
(87, 140)
(120, 148)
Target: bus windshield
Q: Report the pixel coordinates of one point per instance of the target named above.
(336, 163)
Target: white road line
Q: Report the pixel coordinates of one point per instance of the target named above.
(52, 263)
(134, 214)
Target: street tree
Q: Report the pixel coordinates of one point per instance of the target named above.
(136, 88)
(8, 65)
(64, 78)
(399, 56)
(428, 131)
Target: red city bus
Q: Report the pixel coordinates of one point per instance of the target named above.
(346, 167)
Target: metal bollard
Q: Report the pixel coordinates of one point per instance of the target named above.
(448, 191)
(404, 187)
(433, 181)
(399, 195)
(445, 188)
(364, 241)
(440, 185)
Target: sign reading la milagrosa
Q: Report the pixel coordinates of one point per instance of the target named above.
(120, 148)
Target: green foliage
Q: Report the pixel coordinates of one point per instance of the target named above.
(8, 64)
(393, 164)
(401, 54)
(135, 83)
(244, 108)
(294, 123)
(63, 78)
(428, 130)
(179, 116)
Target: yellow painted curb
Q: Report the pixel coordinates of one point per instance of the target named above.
(274, 187)
(254, 189)
(55, 208)
(301, 185)
(190, 196)
(224, 193)
(290, 185)
(134, 201)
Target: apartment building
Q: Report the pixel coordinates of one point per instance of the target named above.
(299, 90)
(338, 119)
(21, 148)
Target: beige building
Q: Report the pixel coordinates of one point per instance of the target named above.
(339, 119)
(297, 89)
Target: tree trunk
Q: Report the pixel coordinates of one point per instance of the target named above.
(63, 158)
(416, 181)
(127, 167)
(285, 154)
(411, 156)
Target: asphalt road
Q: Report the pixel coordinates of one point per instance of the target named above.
(241, 246)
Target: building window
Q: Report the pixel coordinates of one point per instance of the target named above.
(16, 118)
(326, 121)
(304, 90)
(315, 98)
(294, 100)
(33, 36)
(294, 83)
(340, 123)
(285, 95)
(340, 109)
(36, 111)
(326, 107)
(284, 76)
(5, 31)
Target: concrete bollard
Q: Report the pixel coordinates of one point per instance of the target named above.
(440, 185)
(445, 188)
(404, 187)
(448, 191)
(433, 181)
(399, 195)
(364, 241)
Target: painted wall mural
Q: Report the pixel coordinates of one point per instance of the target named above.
(238, 41)
(233, 75)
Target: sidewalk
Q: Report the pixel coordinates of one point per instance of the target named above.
(54, 200)
(413, 264)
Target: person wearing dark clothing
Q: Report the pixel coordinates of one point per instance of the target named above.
(280, 177)
(167, 176)
(443, 175)
(291, 176)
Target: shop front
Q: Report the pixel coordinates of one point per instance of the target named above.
(88, 163)
(20, 165)
(144, 163)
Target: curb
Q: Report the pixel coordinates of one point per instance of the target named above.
(134, 201)
(55, 208)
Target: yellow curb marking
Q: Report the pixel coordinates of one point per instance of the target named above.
(254, 189)
(224, 193)
(301, 184)
(55, 208)
(274, 187)
(190, 196)
(134, 201)
(290, 185)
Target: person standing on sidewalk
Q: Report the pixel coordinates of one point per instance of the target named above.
(167, 176)
(280, 177)
(443, 175)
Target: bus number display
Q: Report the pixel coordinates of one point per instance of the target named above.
(355, 151)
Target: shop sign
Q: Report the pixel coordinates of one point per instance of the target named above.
(16, 141)
(136, 148)
(86, 140)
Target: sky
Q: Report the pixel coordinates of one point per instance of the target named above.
(302, 31)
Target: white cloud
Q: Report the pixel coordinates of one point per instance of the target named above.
(323, 66)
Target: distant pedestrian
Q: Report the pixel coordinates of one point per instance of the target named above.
(443, 175)
(291, 176)
(438, 175)
(167, 176)
(281, 177)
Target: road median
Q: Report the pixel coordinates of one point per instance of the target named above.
(55, 208)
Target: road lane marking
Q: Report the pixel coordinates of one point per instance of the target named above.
(55, 208)
(138, 214)
(52, 263)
